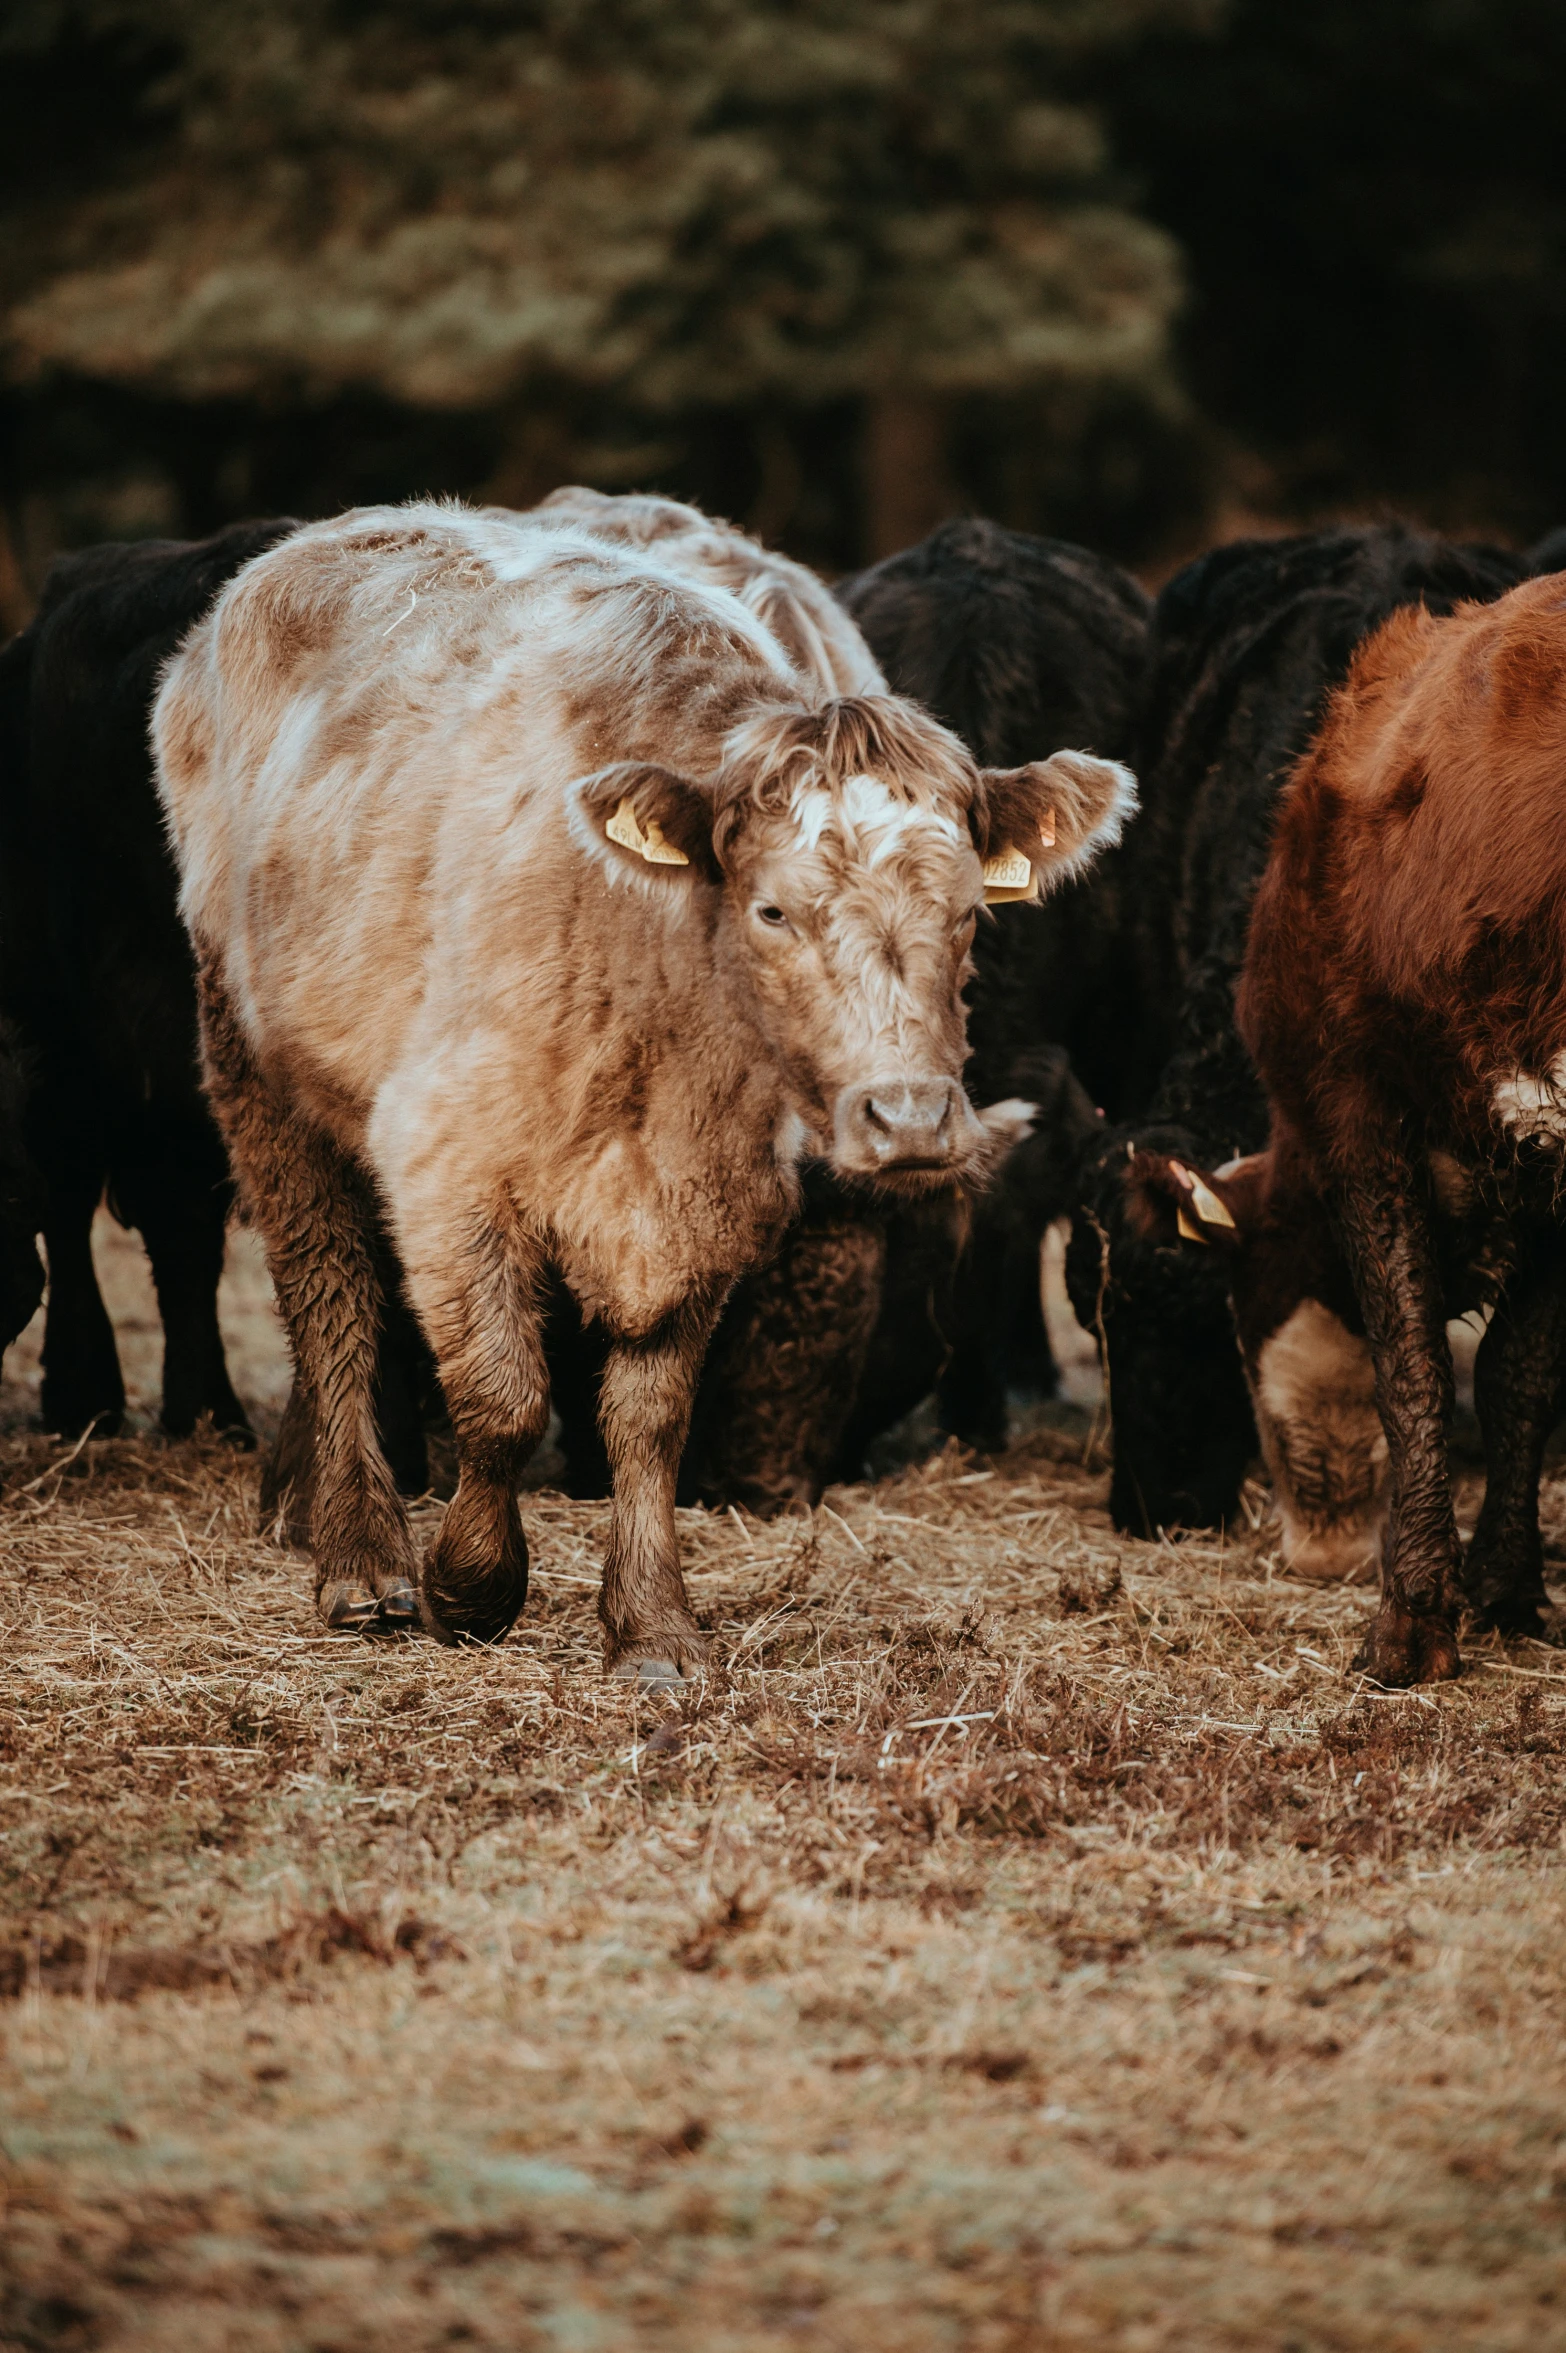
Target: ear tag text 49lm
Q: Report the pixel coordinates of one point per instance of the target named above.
(647, 842)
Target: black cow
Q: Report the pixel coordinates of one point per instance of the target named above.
(1022, 645)
(1247, 644)
(96, 972)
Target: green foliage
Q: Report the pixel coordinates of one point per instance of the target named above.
(680, 202)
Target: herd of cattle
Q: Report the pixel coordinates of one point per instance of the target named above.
(615, 971)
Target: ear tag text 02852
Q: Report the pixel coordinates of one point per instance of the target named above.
(1010, 876)
(647, 842)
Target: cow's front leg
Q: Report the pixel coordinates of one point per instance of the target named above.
(1517, 1378)
(478, 1289)
(1385, 1226)
(644, 1411)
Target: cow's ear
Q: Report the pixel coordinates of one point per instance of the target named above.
(1035, 824)
(654, 818)
(1168, 1201)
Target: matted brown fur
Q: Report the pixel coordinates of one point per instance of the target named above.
(391, 756)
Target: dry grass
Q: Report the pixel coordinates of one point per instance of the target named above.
(1025, 1939)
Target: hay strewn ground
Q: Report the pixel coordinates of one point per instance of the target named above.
(1025, 1939)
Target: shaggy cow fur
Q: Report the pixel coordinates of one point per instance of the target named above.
(1405, 997)
(1247, 644)
(1018, 644)
(95, 969)
(534, 899)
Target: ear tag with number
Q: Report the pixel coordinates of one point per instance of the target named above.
(1010, 876)
(649, 843)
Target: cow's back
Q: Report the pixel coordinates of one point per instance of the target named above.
(365, 751)
(1411, 924)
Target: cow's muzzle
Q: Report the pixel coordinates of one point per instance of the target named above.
(904, 1128)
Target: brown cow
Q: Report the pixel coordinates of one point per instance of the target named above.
(540, 908)
(1404, 996)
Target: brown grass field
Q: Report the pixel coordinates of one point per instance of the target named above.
(1024, 1938)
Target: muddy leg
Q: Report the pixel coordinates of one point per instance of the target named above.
(288, 1474)
(477, 1286)
(315, 1214)
(1516, 1383)
(1386, 1230)
(649, 1632)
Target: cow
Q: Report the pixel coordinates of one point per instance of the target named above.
(540, 911)
(1018, 644)
(850, 1327)
(1404, 998)
(96, 973)
(1247, 645)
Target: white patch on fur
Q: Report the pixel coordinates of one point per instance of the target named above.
(1315, 1399)
(873, 819)
(1533, 1108)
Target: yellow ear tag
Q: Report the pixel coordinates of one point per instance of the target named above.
(623, 828)
(1010, 876)
(1047, 829)
(1189, 1230)
(1204, 1201)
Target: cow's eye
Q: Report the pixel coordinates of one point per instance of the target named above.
(773, 916)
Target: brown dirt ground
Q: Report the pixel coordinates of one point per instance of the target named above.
(1024, 1939)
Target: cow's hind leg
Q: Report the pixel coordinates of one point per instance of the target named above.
(1386, 1229)
(317, 1218)
(1517, 1378)
(645, 1407)
(478, 1288)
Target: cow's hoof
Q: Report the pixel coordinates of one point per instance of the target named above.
(460, 1604)
(651, 1674)
(1401, 1649)
(349, 1609)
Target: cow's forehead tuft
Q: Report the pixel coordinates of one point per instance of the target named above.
(871, 816)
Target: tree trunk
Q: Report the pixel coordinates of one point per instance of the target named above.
(908, 487)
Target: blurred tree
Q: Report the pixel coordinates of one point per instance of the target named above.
(571, 216)
(1371, 195)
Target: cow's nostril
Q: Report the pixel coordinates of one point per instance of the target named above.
(875, 1117)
